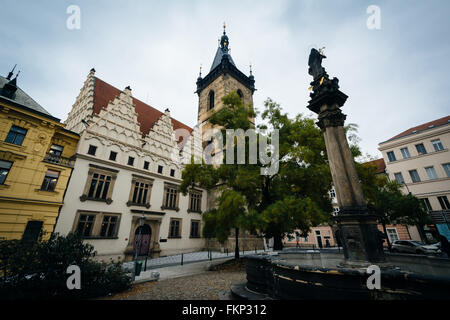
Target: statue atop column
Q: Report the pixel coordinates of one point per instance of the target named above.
(358, 229)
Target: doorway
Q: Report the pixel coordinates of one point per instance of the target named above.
(319, 239)
(142, 238)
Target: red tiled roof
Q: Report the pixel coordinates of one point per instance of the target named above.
(424, 126)
(379, 163)
(147, 115)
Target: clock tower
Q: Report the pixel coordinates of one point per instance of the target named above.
(223, 77)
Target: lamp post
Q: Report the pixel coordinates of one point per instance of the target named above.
(404, 183)
(138, 247)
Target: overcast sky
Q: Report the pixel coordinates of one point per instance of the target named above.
(396, 77)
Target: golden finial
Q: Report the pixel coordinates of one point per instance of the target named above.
(321, 50)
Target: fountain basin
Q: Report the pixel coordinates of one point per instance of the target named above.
(326, 275)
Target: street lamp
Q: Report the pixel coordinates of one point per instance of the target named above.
(138, 247)
(406, 187)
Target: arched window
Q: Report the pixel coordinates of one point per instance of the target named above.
(239, 92)
(211, 100)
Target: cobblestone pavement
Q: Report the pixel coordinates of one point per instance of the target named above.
(206, 286)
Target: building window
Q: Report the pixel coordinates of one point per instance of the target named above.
(421, 149)
(332, 193)
(92, 150)
(392, 234)
(175, 228)
(160, 169)
(405, 153)
(399, 177)
(240, 94)
(195, 229)
(97, 225)
(391, 156)
(5, 166)
(112, 156)
(172, 172)
(447, 169)
(170, 200)
(99, 184)
(195, 201)
(16, 135)
(130, 161)
(56, 150)
(437, 144)
(85, 225)
(431, 173)
(211, 100)
(427, 204)
(32, 231)
(443, 200)
(140, 191)
(50, 180)
(335, 210)
(108, 227)
(414, 175)
(146, 164)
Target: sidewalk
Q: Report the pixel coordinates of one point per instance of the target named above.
(187, 259)
(179, 270)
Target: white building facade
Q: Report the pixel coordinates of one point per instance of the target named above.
(123, 195)
(419, 159)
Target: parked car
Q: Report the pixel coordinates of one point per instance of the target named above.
(410, 246)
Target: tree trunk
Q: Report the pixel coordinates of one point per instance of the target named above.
(277, 243)
(387, 237)
(236, 249)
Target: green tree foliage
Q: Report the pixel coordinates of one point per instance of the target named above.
(296, 197)
(37, 270)
(386, 200)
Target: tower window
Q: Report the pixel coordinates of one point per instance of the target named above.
(211, 100)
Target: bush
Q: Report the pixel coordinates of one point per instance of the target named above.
(38, 270)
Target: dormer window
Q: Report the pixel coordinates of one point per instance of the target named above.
(211, 100)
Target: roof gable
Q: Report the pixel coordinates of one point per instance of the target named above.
(147, 115)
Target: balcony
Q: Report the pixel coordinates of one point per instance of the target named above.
(58, 160)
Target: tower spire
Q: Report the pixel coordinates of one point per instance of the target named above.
(224, 41)
(10, 74)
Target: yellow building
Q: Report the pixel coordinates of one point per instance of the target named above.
(35, 164)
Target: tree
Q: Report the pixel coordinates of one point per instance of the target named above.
(386, 200)
(295, 197)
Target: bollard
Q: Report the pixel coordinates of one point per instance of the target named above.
(210, 256)
(145, 267)
(181, 259)
(227, 252)
(255, 250)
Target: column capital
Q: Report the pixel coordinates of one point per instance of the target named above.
(331, 118)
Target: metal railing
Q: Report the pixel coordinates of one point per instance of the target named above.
(62, 161)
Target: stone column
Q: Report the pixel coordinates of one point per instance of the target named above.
(358, 230)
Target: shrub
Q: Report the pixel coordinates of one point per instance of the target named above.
(38, 270)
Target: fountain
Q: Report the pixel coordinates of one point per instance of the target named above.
(331, 275)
